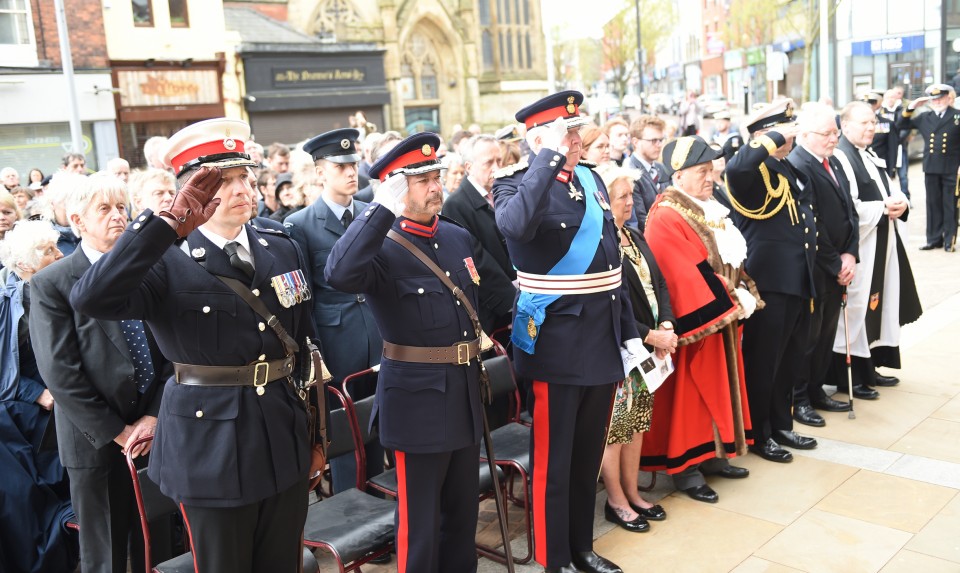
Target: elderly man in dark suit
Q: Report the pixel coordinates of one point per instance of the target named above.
(472, 207)
(646, 133)
(103, 376)
(837, 252)
(346, 327)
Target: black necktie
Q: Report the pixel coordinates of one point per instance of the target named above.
(136, 338)
(347, 218)
(235, 260)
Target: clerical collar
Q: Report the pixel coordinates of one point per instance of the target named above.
(564, 176)
(421, 230)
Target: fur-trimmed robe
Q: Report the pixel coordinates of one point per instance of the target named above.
(701, 411)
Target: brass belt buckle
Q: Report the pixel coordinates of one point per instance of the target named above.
(463, 353)
(256, 375)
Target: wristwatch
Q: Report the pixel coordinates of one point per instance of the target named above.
(667, 325)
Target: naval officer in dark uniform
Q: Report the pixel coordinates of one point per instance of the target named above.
(886, 139)
(428, 394)
(567, 331)
(940, 128)
(232, 444)
(773, 210)
(345, 324)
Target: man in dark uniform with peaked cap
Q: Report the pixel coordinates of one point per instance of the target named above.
(571, 318)
(940, 128)
(232, 445)
(428, 395)
(773, 210)
(345, 325)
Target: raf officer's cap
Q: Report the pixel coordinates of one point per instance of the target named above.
(414, 155)
(338, 146)
(508, 133)
(773, 114)
(938, 90)
(872, 96)
(687, 151)
(564, 105)
(210, 143)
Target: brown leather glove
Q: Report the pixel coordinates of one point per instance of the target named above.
(194, 203)
(318, 460)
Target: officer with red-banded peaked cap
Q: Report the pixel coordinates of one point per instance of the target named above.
(232, 446)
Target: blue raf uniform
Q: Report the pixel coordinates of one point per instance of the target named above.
(569, 348)
(346, 327)
(428, 410)
(235, 457)
(773, 210)
(941, 160)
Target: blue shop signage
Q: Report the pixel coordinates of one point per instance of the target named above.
(889, 45)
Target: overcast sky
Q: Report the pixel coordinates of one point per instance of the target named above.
(582, 18)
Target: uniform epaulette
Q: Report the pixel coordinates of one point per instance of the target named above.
(511, 169)
(267, 230)
(586, 163)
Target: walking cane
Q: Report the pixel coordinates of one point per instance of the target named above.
(846, 332)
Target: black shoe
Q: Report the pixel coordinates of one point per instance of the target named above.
(637, 525)
(590, 562)
(703, 493)
(771, 451)
(886, 380)
(860, 392)
(793, 440)
(564, 569)
(931, 246)
(806, 415)
(950, 249)
(830, 405)
(655, 513)
(730, 472)
(381, 559)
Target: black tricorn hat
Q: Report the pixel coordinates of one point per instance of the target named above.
(687, 151)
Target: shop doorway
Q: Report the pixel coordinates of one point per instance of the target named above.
(909, 76)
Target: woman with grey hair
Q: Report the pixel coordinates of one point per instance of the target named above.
(33, 483)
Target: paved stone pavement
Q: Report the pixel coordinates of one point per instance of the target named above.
(880, 493)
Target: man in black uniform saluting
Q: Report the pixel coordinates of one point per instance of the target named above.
(428, 395)
(232, 438)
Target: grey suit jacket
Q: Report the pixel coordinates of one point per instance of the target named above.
(86, 365)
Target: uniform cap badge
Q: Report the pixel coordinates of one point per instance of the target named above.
(345, 143)
(229, 144)
(571, 107)
(426, 150)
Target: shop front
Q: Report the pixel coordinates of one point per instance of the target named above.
(891, 61)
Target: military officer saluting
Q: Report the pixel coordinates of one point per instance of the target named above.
(232, 442)
(773, 211)
(940, 129)
(345, 324)
(567, 330)
(428, 395)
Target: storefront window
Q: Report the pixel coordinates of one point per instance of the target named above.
(42, 145)
(178, 13)
(14, 27)
(142, 12)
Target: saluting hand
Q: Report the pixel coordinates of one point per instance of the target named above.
(553, 136)
(392, 193)
(195, 202)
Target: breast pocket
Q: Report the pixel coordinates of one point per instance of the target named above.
(422, 301)
(560, 225)
(202, 426)
(210, 318)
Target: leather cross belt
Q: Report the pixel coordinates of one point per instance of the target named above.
(459, 354)
(256, 374)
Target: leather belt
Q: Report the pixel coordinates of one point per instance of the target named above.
(459, 354)
(256, 374)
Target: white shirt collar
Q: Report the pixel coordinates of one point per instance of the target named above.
(92, 254)
(817, 157)
(483, 192)
(244, 241)
(336, 208)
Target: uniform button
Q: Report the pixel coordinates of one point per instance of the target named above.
(436, 246)
(464, 332)
(807, 230)
(206, 309)
(262, 357)
(199, 413)
(262, 327)
(610, 267)
(563, 225)
(556, 157)
(447, 272)
(553, 164)
(419, 291)
(256, 292)
(369, 212)
(142, 218)
(458, 303)
(613, 297)
(806, 245)
(136, 226)
(804, 215)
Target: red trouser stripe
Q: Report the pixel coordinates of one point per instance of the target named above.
(193, 550)
(402, 531)
(541, 457)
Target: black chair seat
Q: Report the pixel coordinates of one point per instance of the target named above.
(352, 522)
(511, 443)
(387, 481)
(179, 564)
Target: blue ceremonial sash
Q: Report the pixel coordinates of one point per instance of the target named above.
(582, 250)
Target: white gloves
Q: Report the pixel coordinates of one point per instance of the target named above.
(635, 346)
(747, 302)
(553, 135)
(392, 192)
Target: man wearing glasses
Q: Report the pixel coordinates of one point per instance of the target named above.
(646, 134)
(837, 253)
